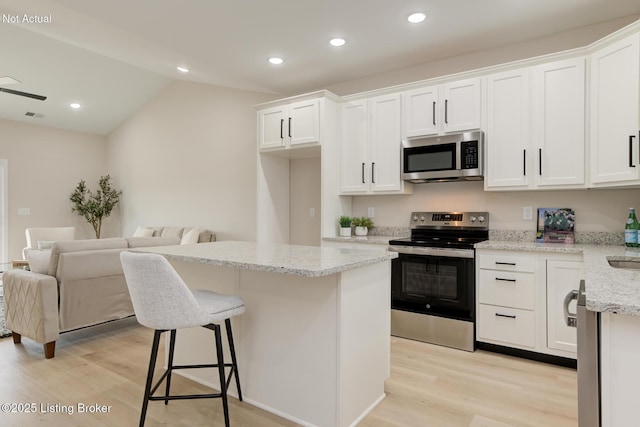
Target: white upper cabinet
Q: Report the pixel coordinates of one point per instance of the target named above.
(507, 135)
(559, 123)
(354, 138)
(615, 77)
(535, 133)
(451, 107)
(289, 125)
(370, 138)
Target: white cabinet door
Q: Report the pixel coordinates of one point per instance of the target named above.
(559, 123)
(508, 130)
(451, 107)
(303, 123)
(562, 278)
(354, 143)
(461, 109)
(385, 139)
(420, 111)
(272, 127)
(615, 76)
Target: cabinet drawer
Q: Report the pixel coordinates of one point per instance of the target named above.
(506, 288)
(507, 262)
(506, 325)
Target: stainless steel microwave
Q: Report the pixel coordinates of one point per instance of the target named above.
(455, 157)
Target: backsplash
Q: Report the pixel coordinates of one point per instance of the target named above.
(584, 237)
(581, 237)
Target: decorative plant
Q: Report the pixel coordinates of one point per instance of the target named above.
(363, 222)
(345, 221)
(95, 206)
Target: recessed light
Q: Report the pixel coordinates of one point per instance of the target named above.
(75, 105)
(276, 61)
(182, 69)
(337, 42)
(417, 17)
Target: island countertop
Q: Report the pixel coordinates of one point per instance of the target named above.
(608, 289)
(309, 261)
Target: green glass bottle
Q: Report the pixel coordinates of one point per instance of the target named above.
(631, 230)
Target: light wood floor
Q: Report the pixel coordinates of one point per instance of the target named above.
(429, 386)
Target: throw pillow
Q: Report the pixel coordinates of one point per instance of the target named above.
(39, 260)
(172, 232)
(45, 244)
(190, 237)
(143, 232)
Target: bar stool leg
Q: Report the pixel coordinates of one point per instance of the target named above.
(223, 380)
(152, 367)
(232, 349)
(172, 346)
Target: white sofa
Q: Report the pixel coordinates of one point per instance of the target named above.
(79, 284)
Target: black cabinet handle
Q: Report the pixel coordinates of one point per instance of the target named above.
(363, 173)
(505, 263)
(506, 315)
(524, 162)
(540, 161)
(631, 165)
(373, 172)
(506, 280)
(281, 128)
(446, 111)
(289, 127)
(434, 113)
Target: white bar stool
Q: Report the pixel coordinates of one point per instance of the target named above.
(163, 302)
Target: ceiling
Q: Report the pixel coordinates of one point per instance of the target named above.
(113, 56)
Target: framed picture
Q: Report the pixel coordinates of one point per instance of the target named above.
(555, 225)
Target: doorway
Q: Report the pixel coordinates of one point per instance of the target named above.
(4, 211)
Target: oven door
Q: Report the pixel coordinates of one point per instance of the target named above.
(432, 284)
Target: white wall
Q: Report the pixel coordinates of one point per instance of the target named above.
(45, 165)
(188, 158)
(596, 210)
(304, 193)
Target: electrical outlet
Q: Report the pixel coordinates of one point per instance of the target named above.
(312, 212)
(527, 213)
(24, 211)
(371, 212)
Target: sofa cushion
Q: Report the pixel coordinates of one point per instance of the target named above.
(143, 232)
(38, 260)
(190, 237)
(141, 242)
(45, 244)
(82, 245)
(172, 232)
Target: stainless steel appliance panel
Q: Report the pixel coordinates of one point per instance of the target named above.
(588, 363)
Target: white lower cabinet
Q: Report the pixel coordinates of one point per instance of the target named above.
(520, 299)
(619, 369)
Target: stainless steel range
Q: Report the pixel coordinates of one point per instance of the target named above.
(433, 278)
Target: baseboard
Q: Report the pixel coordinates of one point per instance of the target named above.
(531, 355)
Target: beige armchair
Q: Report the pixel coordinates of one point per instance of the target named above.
(46, 236)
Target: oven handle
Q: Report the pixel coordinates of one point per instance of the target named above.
(443, 252)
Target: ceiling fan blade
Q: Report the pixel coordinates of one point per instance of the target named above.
(28, 95)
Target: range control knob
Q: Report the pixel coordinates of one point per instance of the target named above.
(481, 218)
(473, 219)
(415, 217)
(422, 219)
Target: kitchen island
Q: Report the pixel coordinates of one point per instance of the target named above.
(314, 344)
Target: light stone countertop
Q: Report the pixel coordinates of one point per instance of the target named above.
(371, 240)
(607, 289)
(309, 261)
